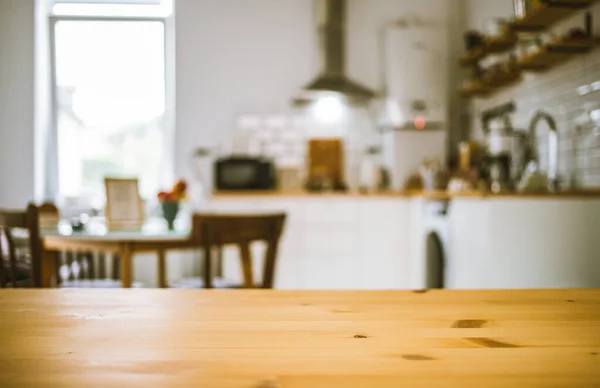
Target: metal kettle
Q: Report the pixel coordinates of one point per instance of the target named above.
(510, 149)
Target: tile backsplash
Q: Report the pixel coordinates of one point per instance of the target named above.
(282, 137)
(569, 93)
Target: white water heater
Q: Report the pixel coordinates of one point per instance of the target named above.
(414, 121)
(416, 72)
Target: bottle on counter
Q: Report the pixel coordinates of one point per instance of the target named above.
(370, 170)
(466, 178)
(199, 186)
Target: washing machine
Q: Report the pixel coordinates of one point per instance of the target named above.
(436, 242)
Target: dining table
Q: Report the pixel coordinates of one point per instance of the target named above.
(299, 339)
(152, 237)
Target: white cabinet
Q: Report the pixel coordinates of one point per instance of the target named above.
(524, 243)
(346, 242)
(330, 242)
(333, 241)
(468, 244)
(384, 243)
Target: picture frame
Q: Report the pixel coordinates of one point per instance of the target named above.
(124, 209)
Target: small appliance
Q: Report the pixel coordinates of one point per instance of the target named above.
(239, 172)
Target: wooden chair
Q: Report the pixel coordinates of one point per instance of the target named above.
(212, 231)
(88, 270)
(79, 269)
(20, 269)
(23, 252)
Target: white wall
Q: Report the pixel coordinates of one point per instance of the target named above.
(365, 20)
(16, 102)
(479, 12)
(43, 97)
(233, 57)
(239, 56)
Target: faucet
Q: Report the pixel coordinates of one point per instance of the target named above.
(552, 145)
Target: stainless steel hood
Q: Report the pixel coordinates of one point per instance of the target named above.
(331, 24)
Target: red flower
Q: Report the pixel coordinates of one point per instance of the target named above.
(162, 196)
(170, 197)
(175, 195)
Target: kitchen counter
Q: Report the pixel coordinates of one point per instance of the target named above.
(530, 242)
(330, 241)
(559, 195)
(379, 241)
(430, 195)
(309, 194)
(295, 339)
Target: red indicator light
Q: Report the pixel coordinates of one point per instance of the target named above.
(419, 122)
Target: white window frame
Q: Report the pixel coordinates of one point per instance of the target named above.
(127, 2)
(51, 184)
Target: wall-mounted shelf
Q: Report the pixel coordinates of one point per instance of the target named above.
(541, 60)
(556, 53)
(490, 83)
(491, 45)
(474, 89)
(543, 17)
(498, 80)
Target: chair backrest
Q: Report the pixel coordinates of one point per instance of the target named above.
(210, 230)
(29, 220)
(10, 220)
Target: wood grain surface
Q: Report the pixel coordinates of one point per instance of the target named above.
(293, 339)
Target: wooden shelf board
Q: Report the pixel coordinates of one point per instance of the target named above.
(500, 79)
(501, 84)
(543, 17)
(498, 45)
(490, 46)
(548, 57)
(471, 58)
(474, 89)
(555, 54)
(491, 85)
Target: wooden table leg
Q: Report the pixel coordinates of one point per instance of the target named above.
(246, 258)
(101, 265)
(219, 263)
(162, 269)
(207, 267)
(126, 266)
(48, 267)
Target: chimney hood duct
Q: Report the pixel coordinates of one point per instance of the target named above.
(331, 23)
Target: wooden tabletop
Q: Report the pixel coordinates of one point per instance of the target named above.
(293, 339)
(99, 232)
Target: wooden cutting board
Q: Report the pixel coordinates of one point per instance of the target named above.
(326, 158)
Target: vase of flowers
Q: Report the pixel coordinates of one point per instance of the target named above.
(170, 200)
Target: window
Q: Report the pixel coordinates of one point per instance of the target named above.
(104, 8)
(109, 103)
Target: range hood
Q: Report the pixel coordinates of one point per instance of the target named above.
(332, 80)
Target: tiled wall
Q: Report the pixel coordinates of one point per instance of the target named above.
(556, 91)
(282, 137)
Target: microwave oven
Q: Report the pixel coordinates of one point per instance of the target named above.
(244, 173)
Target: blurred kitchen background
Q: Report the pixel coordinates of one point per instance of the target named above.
(432, 143)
